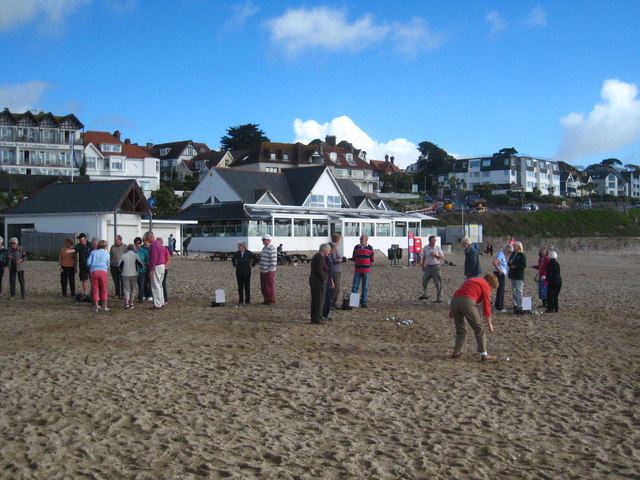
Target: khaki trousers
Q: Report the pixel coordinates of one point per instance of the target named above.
(465, 308)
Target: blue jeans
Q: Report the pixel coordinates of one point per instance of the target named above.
(357, 276)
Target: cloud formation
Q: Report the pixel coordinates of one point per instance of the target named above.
(241, 12)
(19, 12)
(404, 151)
(20, 97)
(537, 17)
(611, 125)
(322, 28)
(496, 22)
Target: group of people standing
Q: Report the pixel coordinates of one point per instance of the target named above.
(138, 270)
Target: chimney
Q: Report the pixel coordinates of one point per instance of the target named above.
(149, 145)
(117, 134)
(127, 141)
(386, 158)
(393, 159)
(331, 140)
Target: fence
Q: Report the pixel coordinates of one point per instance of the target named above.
(44, 244)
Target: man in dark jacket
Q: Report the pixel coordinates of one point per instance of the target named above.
(472, 267)
(243, 260)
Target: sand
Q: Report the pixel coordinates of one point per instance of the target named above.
(192, 391)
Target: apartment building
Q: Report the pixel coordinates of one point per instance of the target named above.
(40, 143)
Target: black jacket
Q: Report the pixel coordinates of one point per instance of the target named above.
(553, 272)
(243, 263)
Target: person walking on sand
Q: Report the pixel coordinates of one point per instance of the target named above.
(98, 263)
(363, 258)
(68, 260)
(463, 309)
(554, 282)
(500, 270)
(517, 264)
(431, 259)
(157, 258)
(185, 246)
(268, 267)
(471, 261)
(318, 278)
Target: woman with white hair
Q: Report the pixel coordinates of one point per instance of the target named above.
(16, 256)
(318, 278)
(554, 281)
(517, 264)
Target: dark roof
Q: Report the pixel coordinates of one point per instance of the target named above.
(353, 194)
(40, 119)
(89, 197)
(301, 181)
(176, 148)
(246, 182)
(29, 184)
(219, 211)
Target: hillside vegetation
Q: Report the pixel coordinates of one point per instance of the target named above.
(553, 223)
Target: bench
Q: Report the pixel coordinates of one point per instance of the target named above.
(223, 256)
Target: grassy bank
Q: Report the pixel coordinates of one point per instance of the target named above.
(553, 223)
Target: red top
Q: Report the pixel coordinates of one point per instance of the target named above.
(542, 265)
(478, 290)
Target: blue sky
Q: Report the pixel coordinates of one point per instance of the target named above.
(555, 79)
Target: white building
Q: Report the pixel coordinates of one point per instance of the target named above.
(299, 207)
(39, 144)
(173, 153)
(506, 171)
(108, 158)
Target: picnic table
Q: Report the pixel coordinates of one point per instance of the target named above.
(221, 255)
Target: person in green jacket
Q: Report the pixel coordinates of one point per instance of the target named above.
(517, 264)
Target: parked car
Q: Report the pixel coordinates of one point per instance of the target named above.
(530, 207)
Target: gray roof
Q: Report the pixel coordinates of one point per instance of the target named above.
(89, 197)
(219, 211)
(247, 182)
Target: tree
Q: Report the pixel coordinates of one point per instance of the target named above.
(432, 161)
(395, 182)
(243, 137)
(83, 167)
(167, 202)
(10, 198)
(611, 162)
(634, 168)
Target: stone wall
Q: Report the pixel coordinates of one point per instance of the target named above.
(569, 244)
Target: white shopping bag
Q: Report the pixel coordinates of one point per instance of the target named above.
(220, 297)
(354, 300)
(526, 303)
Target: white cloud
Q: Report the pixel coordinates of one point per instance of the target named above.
(537, 17)
(497, 23)
(20, 97)
(322, 28)
(19, 12)
(404, 151)
(611, 125)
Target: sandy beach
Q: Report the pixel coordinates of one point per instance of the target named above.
(192, 392)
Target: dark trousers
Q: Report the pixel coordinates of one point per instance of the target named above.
(117, 280)
(68, 276)
(327, 300)
(552, 297)
(244, 288)
(164, 285)
(1, 276)
(318, 288)
(500, 291)
(142, 285)
(12, 281)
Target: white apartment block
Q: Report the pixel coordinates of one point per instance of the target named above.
(39, 144)
(108, 158)
(507, 172)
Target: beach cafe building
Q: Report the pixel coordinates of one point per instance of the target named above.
(299, 207)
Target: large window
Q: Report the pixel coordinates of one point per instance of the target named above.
(401, 229)
(316, 201)
(414, 227)
(474, 164)
(110, 147)
(282, 227)
(351, 229)
(334, 201)
(383, 230)
(7, 155)
(368, 229)
(301, 227)
(320, 228)
(257, 228)
(116, 163)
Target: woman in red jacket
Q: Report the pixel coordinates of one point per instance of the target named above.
(463, 306)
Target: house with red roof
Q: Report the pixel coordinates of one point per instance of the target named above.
(109, 158)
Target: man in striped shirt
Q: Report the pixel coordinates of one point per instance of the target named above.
(268, 263)
(363, 258)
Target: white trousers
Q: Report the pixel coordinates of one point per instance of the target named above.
(156, 286)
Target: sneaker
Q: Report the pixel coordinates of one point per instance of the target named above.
(456, 354)
(95, 309)
(127, 306)
(437, 301)
(149, 299)
(422, 297)
(488, 358)
(363, 305)
(106, 309)
(131, 306)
